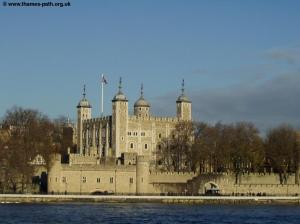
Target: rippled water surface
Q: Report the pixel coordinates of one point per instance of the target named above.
(147, 213)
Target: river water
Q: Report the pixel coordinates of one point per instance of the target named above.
(147, 213)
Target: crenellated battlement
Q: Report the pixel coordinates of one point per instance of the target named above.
(98, 167)
(82, 159)
(173, 173)
(97, 119)
(151, 118)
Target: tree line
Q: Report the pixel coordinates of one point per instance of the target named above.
(238, 148)
(26, 135)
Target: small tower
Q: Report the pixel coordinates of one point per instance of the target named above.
(184, 106)
(142, 174)
(141, 106)
(84, 112)
(119, 122)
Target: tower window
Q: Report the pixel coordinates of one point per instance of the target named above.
(131, 145)
(146, 146)
(98, 180)
(111, 180)
(83, 179)
(159, 135)
(131, 180)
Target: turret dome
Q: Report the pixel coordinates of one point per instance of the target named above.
(182, 97)
(120, 96)
(84, 102)
(141, 102)
(141, 106)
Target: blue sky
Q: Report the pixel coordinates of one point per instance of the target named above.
(240, 59)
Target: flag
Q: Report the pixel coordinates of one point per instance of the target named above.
(103, 80)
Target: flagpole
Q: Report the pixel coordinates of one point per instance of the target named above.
(102, 94)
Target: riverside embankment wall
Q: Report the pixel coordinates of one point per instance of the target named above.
(6, 198)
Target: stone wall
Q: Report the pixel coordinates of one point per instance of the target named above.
(87, 178)
(250, 184)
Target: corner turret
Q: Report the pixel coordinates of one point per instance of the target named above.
(84, 112)
(119, 122)
(184, 106)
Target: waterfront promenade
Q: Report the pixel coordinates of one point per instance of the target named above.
(35, 198)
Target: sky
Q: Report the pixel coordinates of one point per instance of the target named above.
(240, 59)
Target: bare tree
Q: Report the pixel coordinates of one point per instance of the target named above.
(282, 152)
(30, 134)
(176, 151)
(205, 147)
(247, 152)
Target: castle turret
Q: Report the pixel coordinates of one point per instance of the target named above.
(141, 106)
(142, 174)
(54, 174)
(119, 122)
(184, 106)
(84, 112)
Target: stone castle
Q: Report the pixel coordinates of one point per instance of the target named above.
(114, 154)
(140, 133)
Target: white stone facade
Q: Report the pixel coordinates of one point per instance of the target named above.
(140, 133)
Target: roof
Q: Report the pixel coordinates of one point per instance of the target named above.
(119, 97)
(84, 103)
(183, 98)
(141, 102)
